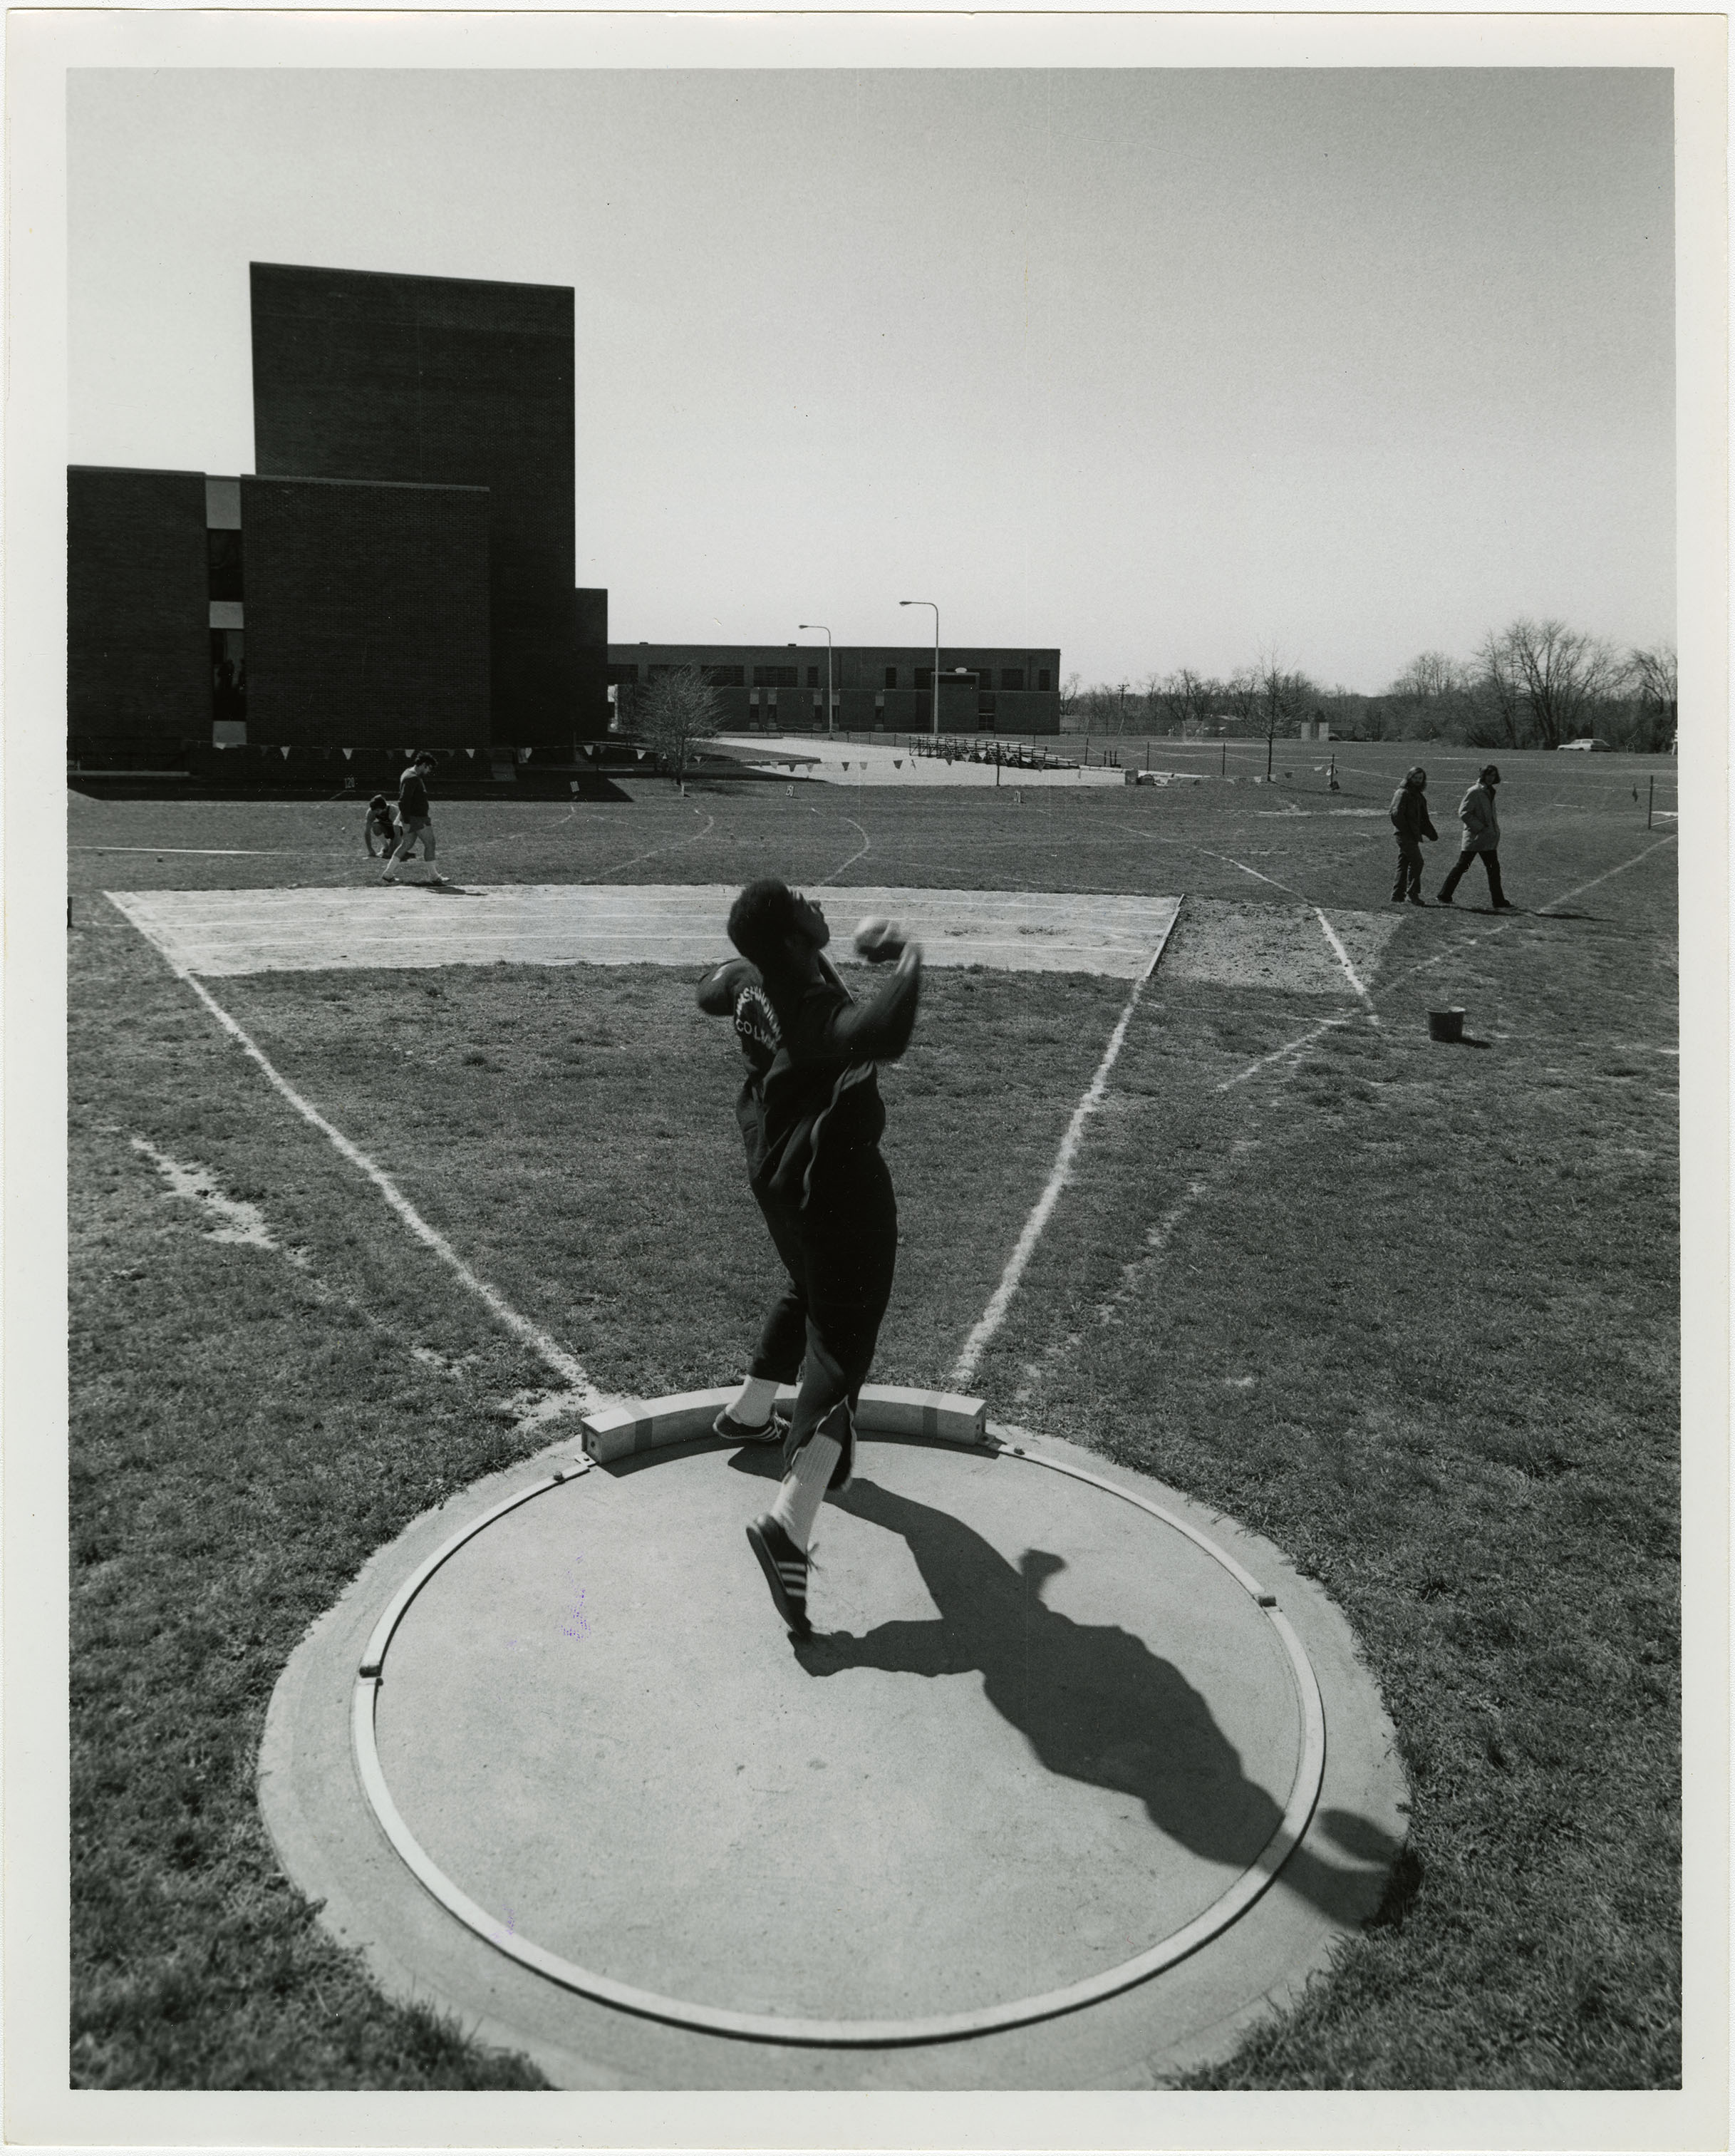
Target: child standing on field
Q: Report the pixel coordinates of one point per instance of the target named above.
(1410, 820)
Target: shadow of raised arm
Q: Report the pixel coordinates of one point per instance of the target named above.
(1092, 1701)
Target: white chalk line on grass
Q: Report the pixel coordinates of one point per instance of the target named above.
(673, 846)
(1260, 873)
(1355, 978)
(244, 1223)
(1278, 1055)
(585, 1395)
(1331, 933)
(1421, 966)
(866, 846)
(988, 1323)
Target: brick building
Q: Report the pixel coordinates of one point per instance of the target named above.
(441, 381)
(329, 562)
(138, 662)
(781, 688)
(398, 570)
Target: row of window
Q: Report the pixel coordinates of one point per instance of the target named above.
(788, 677)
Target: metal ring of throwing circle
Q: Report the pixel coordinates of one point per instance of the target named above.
(781, 2029)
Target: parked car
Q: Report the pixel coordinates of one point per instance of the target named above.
(1590, 743)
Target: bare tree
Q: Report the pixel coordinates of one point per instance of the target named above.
(1655, 673)
(1498, 696)
(1241, 698)
(1283, 697)
(677, 710)
(1434, 695)
(1187, 700)
(1566, 676)
(1429, 676)
(1069, 690)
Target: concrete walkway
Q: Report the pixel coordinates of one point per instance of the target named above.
(1038, 1731)
(860, 764)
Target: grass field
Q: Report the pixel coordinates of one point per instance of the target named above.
(1408, 1309)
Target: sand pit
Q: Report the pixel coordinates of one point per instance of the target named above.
(1246, 944)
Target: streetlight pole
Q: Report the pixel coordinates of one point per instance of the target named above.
(930, 602)
(820, 625)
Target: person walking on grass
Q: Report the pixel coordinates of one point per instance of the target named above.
(379, 825)
(1482, 836)
(417, 816)
(1409, 817)
(826, 1197)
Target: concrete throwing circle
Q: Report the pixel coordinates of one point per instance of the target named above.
(581, 1726)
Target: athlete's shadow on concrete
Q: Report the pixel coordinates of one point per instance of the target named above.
(1091, 1700)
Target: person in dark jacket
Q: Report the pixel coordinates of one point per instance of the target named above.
(1409, 818)
(417, 816)
(1482, 836)
(825, 1191)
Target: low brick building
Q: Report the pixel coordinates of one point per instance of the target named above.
(776, 688)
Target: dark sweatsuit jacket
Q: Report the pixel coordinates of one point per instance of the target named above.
(822, 1095)
(1410, 814)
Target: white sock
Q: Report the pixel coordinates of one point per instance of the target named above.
(752, 1404)
(804, 1488)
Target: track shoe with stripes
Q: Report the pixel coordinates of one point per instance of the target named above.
(772, 1431)
(786, 1570)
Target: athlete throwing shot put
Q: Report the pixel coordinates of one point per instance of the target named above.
(825, 1191)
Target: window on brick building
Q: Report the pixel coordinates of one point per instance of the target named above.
(774, 677)
(228, 687)
(813, 677)
(891, 677)
(223, 553)
(1042, 679)
(1012, 677)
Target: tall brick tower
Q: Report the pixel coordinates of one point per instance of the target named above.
(444, 382)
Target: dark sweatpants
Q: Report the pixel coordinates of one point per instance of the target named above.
(1410, 867)
(1491, 862)
(840, 1254)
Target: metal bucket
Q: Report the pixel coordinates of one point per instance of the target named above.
(1446, 1024)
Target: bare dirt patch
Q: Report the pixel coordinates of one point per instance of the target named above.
(1248, 944)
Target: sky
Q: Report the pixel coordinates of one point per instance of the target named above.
(1175, 367)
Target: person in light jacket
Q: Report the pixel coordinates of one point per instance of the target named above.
(1482, 836)
(1412, 822)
